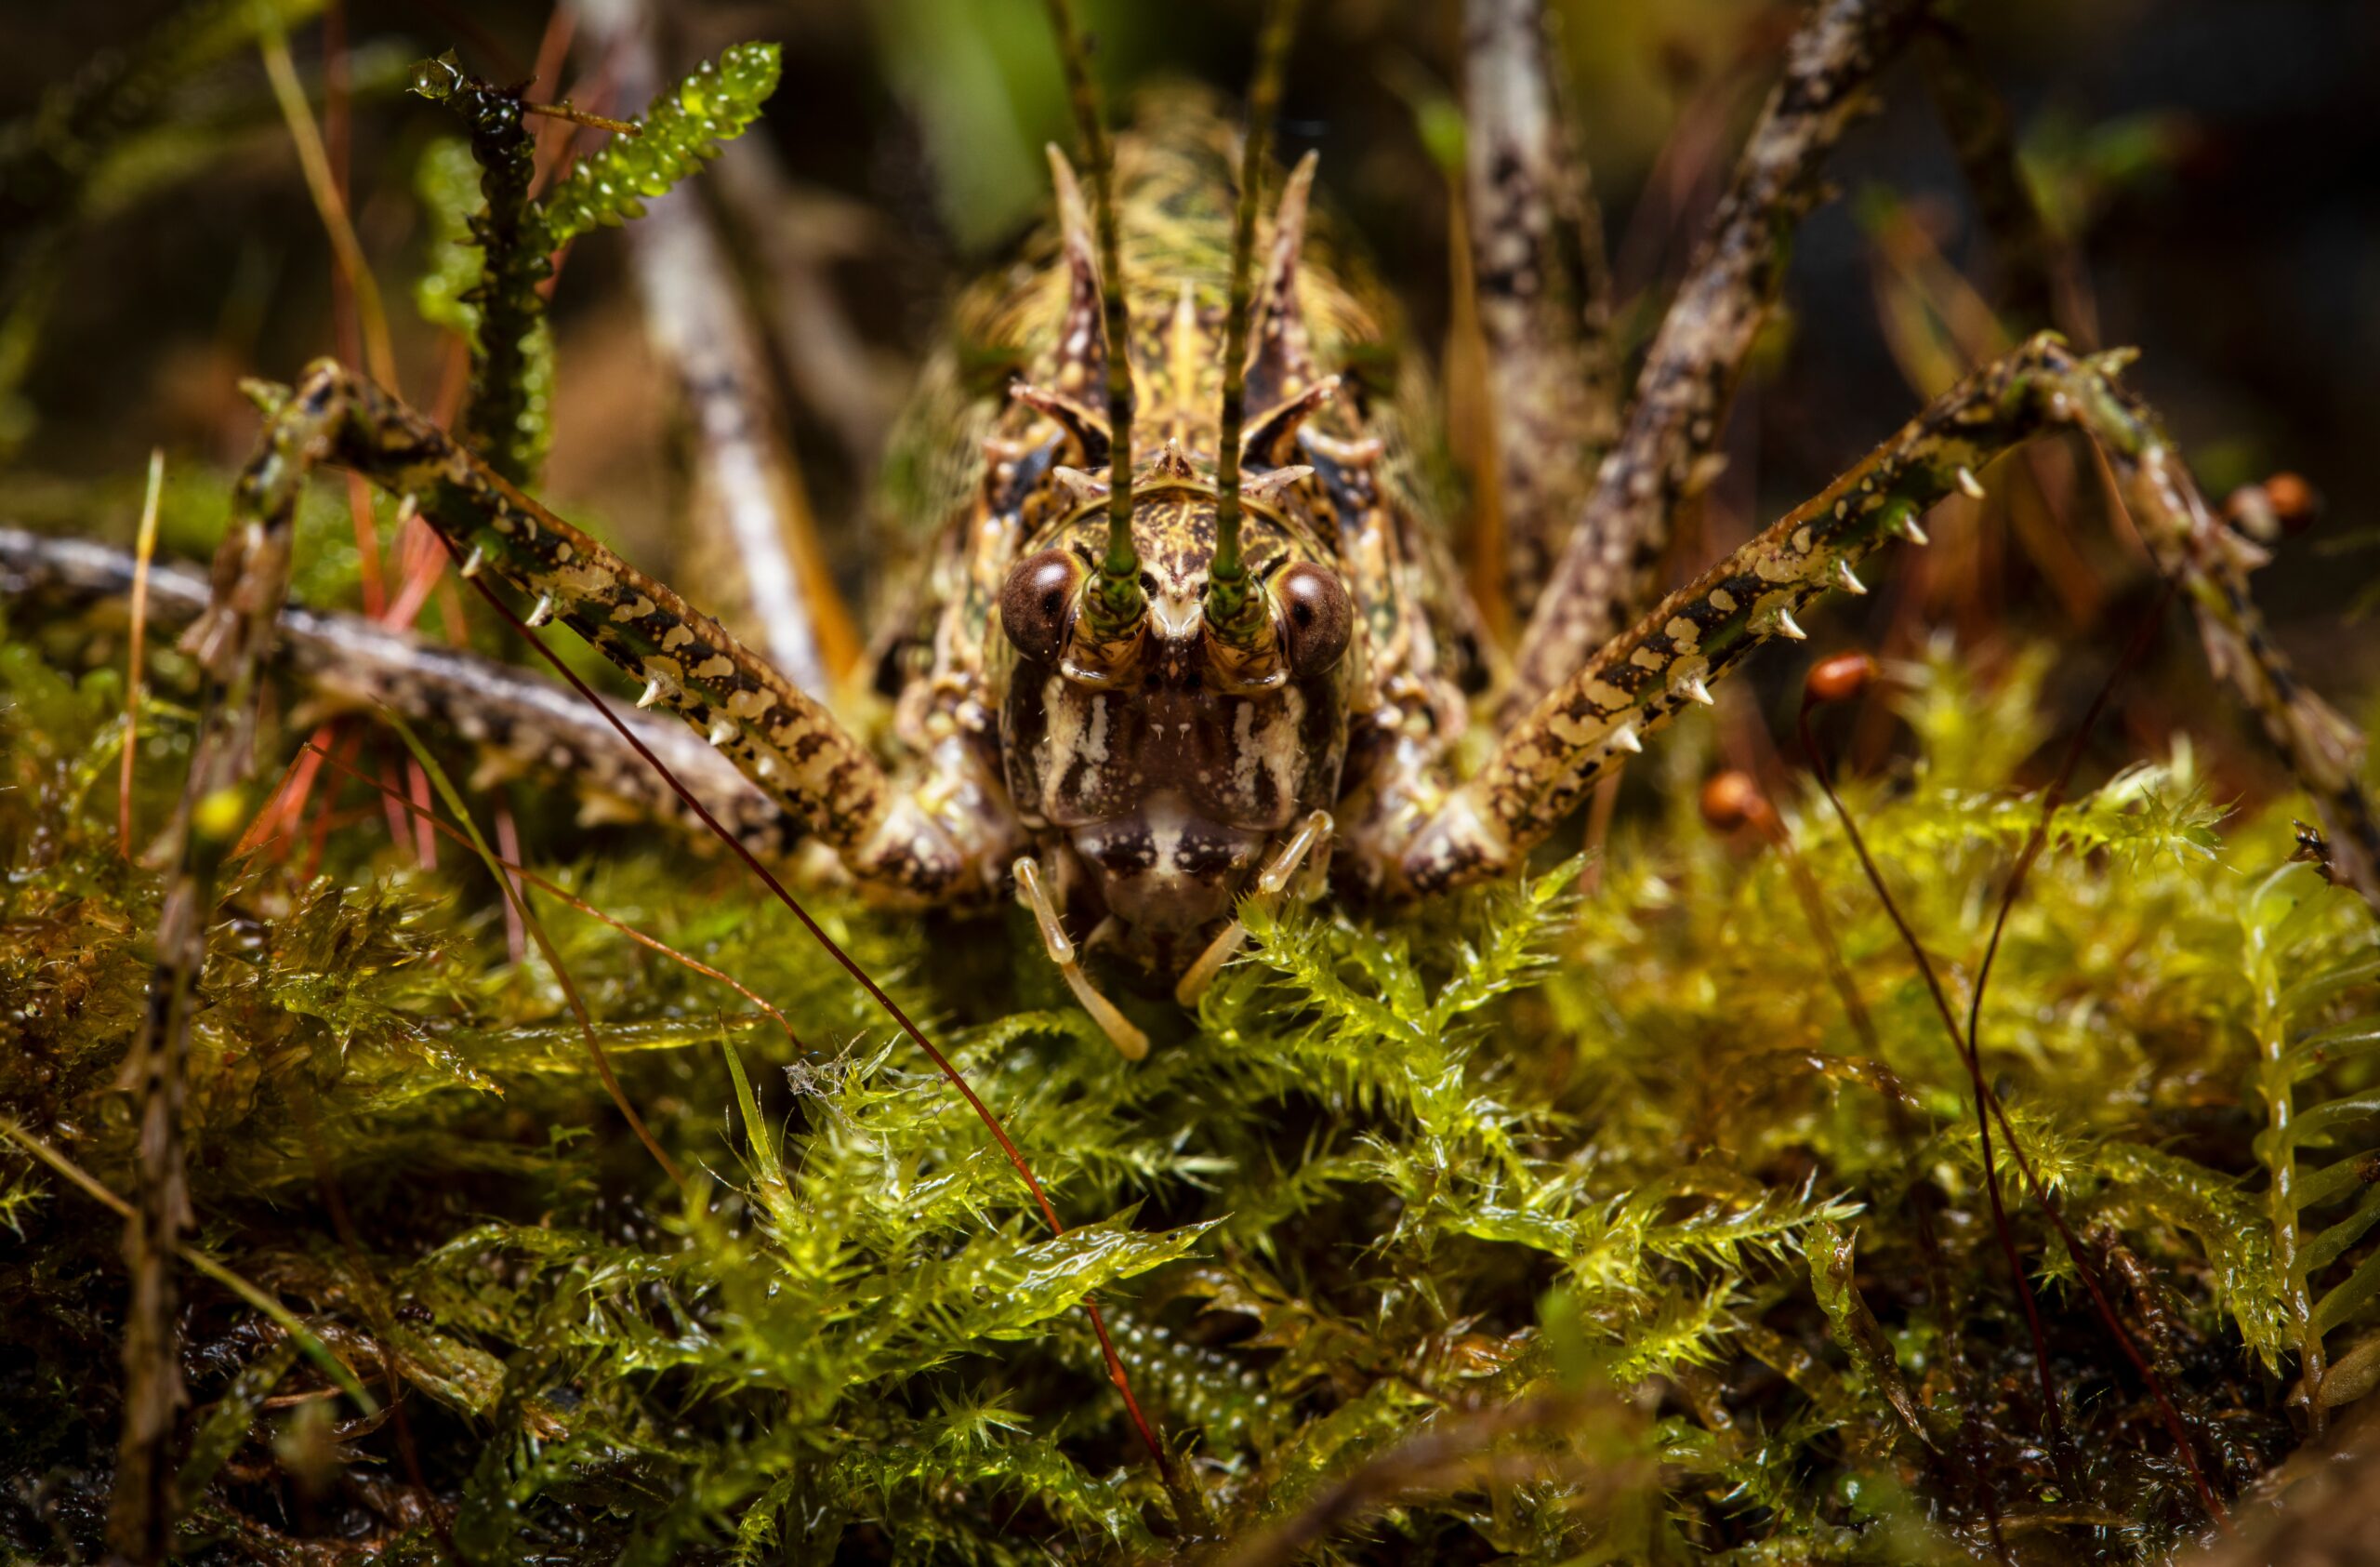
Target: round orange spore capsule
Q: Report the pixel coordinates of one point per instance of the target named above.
(2294, 502)
(1731, 800)
(1840, 678)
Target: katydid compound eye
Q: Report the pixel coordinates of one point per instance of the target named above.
(1317, 618)
(1037, 604)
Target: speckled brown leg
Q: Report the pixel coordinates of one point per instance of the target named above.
(1547, 761)
(777, 736)
(747, 516)
(251, 577)
(1543, 293)
(1605, 574)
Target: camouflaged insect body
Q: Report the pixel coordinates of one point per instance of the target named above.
(1134, 772)
(1156, 774)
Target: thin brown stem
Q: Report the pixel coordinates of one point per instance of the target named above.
(2051, 1412)
(347, 330)
(566, 110)
(2031, 261)
(144, 550)
(375, 1299)
(1805, 888)
(545, 947)
(314, 160)
(513, 867)
(1987, 1103)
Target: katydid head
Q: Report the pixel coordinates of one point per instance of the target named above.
(1179, 648)
(1163, 756)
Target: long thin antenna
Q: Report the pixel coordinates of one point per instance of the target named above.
(1228, 600)
(1115, 602)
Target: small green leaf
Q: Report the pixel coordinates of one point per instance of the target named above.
(682, 129)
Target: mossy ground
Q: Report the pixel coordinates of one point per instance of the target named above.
(1602, 1185)
(1576, 1220)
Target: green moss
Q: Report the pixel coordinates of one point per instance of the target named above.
(682, 130)
(1393, 1172)
(1577, 1220)
(499, 305)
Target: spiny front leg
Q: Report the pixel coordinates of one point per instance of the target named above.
(1641, 679)
(778, 736)
(1605, 572)
(1544, 296)
(749, 510)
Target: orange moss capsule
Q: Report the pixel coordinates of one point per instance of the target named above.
(2294, 502)
(2282, 506)
(1839, 679)
(1731, 800)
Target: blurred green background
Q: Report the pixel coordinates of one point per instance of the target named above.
(2214, 160)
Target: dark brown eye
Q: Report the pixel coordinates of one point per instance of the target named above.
(1317, 618)
(1037, 604)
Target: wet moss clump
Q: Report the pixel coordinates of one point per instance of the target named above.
(1641, 1210)
(1605, 1195)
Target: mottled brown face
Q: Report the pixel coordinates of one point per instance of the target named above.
(1166, 761)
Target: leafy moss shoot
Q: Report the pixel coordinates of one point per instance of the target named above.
(416, 1148)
